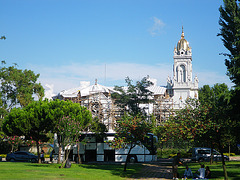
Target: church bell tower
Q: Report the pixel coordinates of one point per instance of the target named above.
(182, 86)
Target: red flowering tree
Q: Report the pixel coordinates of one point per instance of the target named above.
(15, 141)
(131, 131)
(62, 109)
(69, 132)
(187, 123)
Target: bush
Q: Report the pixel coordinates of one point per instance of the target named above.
(170, 153)
(231, 154)
(5, 147)
(3, 155)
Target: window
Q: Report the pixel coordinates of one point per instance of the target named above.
(203, 151)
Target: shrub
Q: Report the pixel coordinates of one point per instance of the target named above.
(5, 147)
(170, 153)
(231, 154)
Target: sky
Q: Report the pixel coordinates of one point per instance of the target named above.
(68, 41)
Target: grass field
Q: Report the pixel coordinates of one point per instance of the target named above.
(233, 169)
(20, 170)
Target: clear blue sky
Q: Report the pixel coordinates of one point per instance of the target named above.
(68, 41)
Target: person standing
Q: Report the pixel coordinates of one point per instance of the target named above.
(176, 162)
(51, 155)
(42, 156)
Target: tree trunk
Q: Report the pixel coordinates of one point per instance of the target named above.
(79, 161)
(66, 152)
(38, 154)
(211, 159)
(12, 148)
(223, 160)
(59, 149)
(125, 165)
(229, 149)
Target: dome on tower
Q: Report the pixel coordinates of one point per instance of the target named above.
(182, 43)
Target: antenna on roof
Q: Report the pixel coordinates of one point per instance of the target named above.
(105, 73)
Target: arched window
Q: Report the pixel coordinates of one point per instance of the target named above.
(181, 73)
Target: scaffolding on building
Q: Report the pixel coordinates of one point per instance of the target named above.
(103, 107)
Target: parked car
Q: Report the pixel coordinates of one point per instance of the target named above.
(204, 154)
(22, 156)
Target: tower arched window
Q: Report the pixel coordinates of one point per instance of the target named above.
(181, 73)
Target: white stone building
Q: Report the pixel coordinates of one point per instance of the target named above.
(97, 98)
(182, 85)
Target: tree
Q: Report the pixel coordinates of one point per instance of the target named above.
(187, 123)
(130, 132)
(69, 133)
(60, 109)
(131, 98)
(218, 98)
(3, 37)
(33, 121)
(18, 86)
(39, 117)
(230, 33)
(16, 141)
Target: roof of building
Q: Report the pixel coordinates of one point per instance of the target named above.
(86, 91)
(157, 90)
(97, 88)
(183, 43)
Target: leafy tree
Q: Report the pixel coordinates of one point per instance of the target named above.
(218, 98)
(130, 132)
(131, 98)
(80, 114)
(3, 37)
(18, 86)
(230, 33)
(186, 124)
(16, 141)
(71, 130)
(31, 121)
(39, 117)
(69, 133)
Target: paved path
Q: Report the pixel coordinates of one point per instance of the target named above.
(154, 171)
(162, 169)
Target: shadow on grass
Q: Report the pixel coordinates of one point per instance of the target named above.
(43, 165)
(115, 169)
(137, 171)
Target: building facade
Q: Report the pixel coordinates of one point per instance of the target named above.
(166, 99)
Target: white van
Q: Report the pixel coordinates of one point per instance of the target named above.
(204, 154)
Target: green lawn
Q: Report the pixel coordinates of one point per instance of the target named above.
(233, 169)
(20, 170)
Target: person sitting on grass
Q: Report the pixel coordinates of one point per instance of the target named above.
(188, 172)
(201, 172)
(207, 173)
